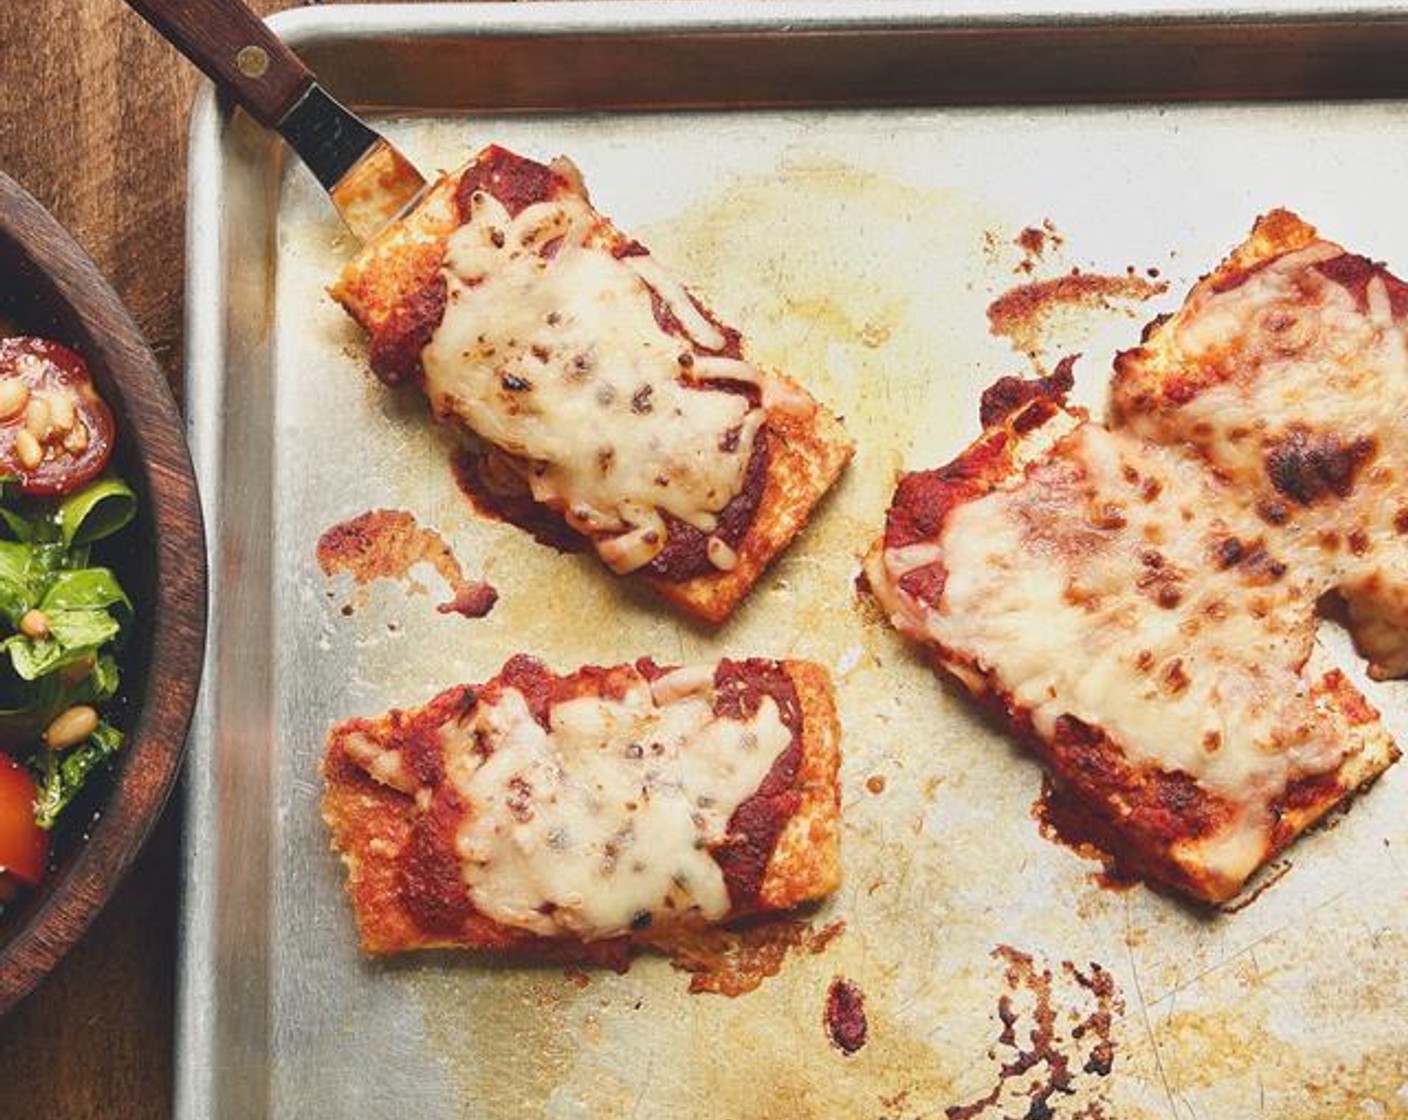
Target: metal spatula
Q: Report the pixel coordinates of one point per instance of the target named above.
(370, 182)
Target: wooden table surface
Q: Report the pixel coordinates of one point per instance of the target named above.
(93, 111)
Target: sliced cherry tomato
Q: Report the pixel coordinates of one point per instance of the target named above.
(56, 433)
(24, 846)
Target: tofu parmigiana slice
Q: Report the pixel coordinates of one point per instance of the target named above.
(1128, 615)
(605, 391)
(1287, 370)
(562, 816)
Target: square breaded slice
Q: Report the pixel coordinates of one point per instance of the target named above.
(568, 817)
(1286, 369)
(604, 390)
(1124, 612)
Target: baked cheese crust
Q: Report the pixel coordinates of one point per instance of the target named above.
(612, 395)
(1287, 370)
(1130, 618)
(571, 817)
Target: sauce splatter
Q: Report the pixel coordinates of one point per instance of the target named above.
(1065, 1045)
(845, 1016)
(473, 600)
(732, 962)
(387, 544)
(875, 783)
(1023, 314)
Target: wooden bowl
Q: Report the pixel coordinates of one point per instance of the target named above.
(49, 287)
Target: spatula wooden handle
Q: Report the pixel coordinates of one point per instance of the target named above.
(236, 51)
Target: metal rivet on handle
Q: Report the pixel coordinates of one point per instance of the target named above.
(253, 62)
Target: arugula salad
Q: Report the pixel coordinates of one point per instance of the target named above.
(63, 614)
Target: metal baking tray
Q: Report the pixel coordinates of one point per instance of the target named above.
(845, 181)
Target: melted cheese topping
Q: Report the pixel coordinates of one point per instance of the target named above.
(1089, 587)
(605, 823)
(550, 349)
(1307, 362)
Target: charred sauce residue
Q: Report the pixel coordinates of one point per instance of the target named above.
(1063, 819)
(731, 962)
(1056, 1043)
(387, 544)
(1021, 314)
(496, 493)
(845, 1016)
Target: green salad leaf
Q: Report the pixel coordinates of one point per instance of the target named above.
(61, 776)
(63, 654)
(85, 589)
(72, 636)
(99, 510)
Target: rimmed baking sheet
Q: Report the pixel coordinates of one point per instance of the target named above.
(845, 183)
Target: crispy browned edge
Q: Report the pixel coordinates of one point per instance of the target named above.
(1175, 863)
(371, 824)
(808, 452)
(1152, 376)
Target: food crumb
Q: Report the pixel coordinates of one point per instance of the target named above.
(579, 978)
(1023, 314)
(874, 335)
(875, 783)
(1034, 241)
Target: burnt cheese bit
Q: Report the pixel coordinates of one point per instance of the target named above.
(641, 920)
(1307, 466)
(1262, 567)
(1229, 552)
(1273, 512)
(640, 400)
(513, 383)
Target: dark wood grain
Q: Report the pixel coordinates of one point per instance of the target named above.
(49, 286)
(93, 109)
(232, 46)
